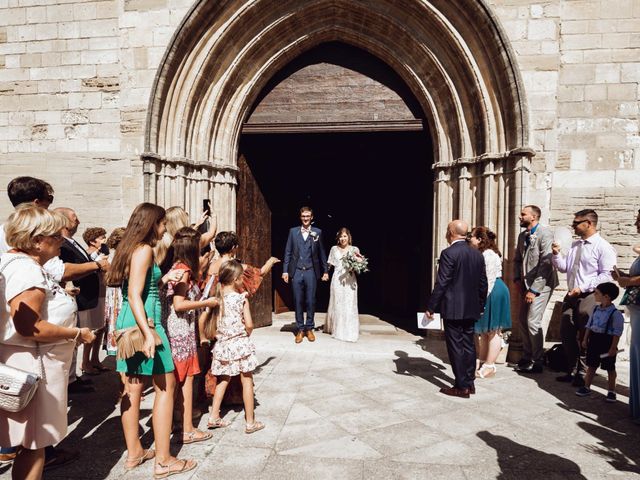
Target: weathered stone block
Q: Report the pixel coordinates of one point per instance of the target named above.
(542, 29)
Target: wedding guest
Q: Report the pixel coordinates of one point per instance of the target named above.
(602, 334)
(178, 218)
(233, 353)
(535, 279)
(37, 334)
(459, 296)
(342, 321)
(113, 295)
(182, 306)
(95, 238)
(588, 263)
(631, 283)
(497, 310)
(134, 268)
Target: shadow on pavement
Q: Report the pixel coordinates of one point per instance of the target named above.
(421, 367)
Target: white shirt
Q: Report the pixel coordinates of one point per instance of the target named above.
(493, 265)
(305, 233)
(20, 275)
(4, 248)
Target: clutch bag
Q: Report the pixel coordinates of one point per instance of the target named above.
(130, 341)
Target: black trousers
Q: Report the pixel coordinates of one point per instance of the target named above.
(575, 314)
(461, 350)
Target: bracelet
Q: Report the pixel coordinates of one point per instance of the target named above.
(75, 339)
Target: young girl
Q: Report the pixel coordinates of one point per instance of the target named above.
(182, 308)
(133, 268)
(234, 352)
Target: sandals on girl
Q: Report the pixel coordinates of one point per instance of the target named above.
(217, 423)
(164, 471)
(194, 437)
(487, 371)
(131, 463)
(254, 427)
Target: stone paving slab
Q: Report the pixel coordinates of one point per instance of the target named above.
(371, 410)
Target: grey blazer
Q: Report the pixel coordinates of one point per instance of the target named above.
(534, 265)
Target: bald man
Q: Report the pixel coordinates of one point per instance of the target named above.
(459, 296)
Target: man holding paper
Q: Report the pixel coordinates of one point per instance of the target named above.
(459, 296)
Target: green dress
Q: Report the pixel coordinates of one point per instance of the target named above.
(162, 362)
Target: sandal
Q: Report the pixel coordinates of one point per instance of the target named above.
(487, 371)
(217, 423)
(194, 436)
(167, 471)
(131, 463)
(254, 427)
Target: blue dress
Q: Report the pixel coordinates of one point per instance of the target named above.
(634, 352)
(497, 309)
(162, 362)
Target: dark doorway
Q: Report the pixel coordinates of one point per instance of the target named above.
(379, 185)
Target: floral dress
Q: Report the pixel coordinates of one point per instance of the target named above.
(181, 330)
(233, 352)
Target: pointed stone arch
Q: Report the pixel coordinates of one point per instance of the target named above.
(453, 56)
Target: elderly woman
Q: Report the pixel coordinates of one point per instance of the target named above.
(37, 334)
(631, 299)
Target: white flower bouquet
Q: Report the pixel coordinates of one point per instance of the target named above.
(355, 262)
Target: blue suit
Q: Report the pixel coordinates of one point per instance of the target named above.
(305, 262)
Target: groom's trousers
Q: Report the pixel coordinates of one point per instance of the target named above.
(304, 293)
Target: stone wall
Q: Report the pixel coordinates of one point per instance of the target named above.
(75, 80)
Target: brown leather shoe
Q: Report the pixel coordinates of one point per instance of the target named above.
(472, 390)
(455, 392)
(310, 336)
(299, 336)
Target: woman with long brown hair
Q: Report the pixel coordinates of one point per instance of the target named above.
(497, 312)
(134, 268)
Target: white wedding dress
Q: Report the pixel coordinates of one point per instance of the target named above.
(342, 316)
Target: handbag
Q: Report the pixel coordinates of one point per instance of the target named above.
(17, 387)
(130, 341)
(631, 296)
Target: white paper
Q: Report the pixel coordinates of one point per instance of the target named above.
(430, 324)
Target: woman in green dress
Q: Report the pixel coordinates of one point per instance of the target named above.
(133, 267)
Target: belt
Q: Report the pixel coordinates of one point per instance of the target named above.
(305, 268)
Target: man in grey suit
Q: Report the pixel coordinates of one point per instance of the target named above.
(536, 279)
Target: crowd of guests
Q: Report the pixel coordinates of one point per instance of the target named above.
(156, 295)
(474, 302)
(151, 293)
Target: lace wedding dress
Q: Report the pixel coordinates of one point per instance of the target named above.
(342, 316)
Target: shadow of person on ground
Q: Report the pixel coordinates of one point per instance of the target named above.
(618, 448)
(520, 462)
(421, 367)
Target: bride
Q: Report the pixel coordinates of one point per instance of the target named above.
(342, 316)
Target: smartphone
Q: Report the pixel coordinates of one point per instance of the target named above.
(206, 206)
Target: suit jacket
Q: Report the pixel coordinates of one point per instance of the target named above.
(461, 286)
(534, 265)
(292, 252)
(89, 285)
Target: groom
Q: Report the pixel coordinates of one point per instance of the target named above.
(304, 263)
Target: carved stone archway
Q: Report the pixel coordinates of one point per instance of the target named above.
(453, 55)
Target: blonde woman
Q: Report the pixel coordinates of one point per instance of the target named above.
(37, 333)
(177, 218)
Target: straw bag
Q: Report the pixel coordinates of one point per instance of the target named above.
(130, 341)
(17, 387)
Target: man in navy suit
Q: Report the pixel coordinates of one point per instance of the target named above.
(304, 263)
(459, 296)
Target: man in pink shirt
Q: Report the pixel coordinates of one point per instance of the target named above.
(588, 263)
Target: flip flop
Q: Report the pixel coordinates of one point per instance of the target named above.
(194, 437)
(136, 462)
(254, 427)
(187, 465)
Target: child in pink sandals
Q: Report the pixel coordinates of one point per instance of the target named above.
(234, 352)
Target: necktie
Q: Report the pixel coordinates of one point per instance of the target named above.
(573, 274)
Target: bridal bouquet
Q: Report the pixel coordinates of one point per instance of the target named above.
(355, 262)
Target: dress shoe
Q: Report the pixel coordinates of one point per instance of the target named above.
(472, 390)
(456, 392)
(299, 336)
(310, 336)
(531, 368)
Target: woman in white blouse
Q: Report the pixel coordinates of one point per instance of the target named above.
(497, 310)
(37, 334)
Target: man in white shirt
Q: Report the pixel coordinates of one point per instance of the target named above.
(589, 262)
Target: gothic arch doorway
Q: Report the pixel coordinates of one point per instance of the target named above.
(452, 56)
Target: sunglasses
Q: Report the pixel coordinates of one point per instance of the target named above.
(575, 224)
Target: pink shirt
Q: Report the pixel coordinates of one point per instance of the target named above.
(597, 260)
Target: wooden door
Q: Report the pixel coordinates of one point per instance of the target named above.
(253, 224)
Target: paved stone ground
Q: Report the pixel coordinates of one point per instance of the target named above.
(372, 410)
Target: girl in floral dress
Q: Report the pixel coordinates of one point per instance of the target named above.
(234, 352)
(182, 308)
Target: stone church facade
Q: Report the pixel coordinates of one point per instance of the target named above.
(115, 102)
